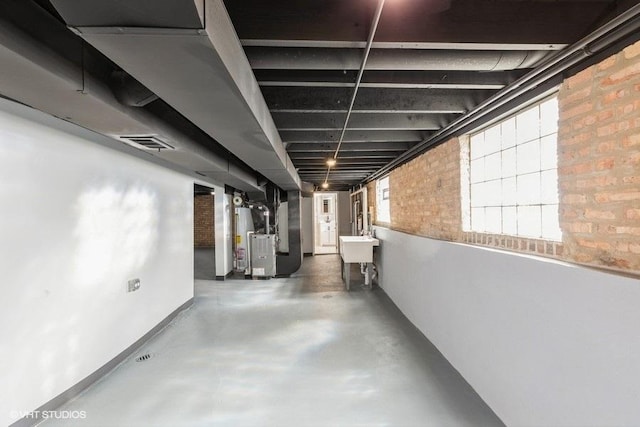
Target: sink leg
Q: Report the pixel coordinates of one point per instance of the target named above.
(370, 275)
(347, 274)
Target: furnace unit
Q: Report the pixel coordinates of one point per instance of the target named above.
(263, 255)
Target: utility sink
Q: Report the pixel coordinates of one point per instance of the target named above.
(357, 248)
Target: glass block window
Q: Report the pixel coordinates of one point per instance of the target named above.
(513, 176)
(383, 208)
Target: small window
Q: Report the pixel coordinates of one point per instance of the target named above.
(513, 178)
(383, 210)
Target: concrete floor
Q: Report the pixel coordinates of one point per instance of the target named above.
(285, 352)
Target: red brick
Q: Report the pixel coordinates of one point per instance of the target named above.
(631, 140)
(203, 213)
(577, 139)
(583, 77)
(607, 130)
(623, 75)
(622, 246)
(579, 227)
(605, 147)
(573, 199)
(631, 179)
(568, 213)
(600, 181)
(583, 257)
(631, 159)
(628, 108)
(614, 96)
(628, 230)
(600, 189)
(632, 195)
(559, 250)
(577, 95)
(605, 115)
(608, 63)
(578, 169)
(580, 109)
(605, 164)
(632, 51)
(571, 154)
(598, 214)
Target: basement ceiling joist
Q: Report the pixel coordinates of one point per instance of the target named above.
(360, 155)
(354, 136)
(307, 147)
(329, 99)
(389, 79)
(273, 58)
(360, 121)
(430, 64)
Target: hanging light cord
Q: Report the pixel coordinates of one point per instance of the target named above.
(367, 50)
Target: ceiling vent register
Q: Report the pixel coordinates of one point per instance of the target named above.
(146, 142)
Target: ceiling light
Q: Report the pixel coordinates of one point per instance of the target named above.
(331, 162)
(325, 185)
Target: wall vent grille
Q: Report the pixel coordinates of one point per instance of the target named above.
(146, 142)
(143, 358)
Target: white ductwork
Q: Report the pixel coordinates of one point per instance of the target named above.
(37, 76)
(201, 72)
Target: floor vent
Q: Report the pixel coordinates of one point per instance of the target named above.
(143, 358)
(146, 142)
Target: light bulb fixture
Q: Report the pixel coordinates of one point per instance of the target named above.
(325, 185)
(331, 162)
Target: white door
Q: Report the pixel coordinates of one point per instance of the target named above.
(326, 231)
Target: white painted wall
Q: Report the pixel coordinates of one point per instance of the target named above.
(78, 220)
(224, 245)
(544, 343)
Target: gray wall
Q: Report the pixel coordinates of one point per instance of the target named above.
(544, 343)
(344, 219)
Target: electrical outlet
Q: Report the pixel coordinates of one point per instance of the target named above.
(133, 285)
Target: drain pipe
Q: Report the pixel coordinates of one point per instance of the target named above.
(367, 50)
(621, 26)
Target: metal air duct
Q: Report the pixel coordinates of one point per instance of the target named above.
(38, 76)
(187, 52)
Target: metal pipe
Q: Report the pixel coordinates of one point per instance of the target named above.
(391, 59)
(614, 30)
(367, 50)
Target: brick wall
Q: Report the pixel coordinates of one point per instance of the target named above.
(598, 168)
(425, 194)
(203, 225)
(599, 162)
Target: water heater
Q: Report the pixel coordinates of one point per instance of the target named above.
(244, 225)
